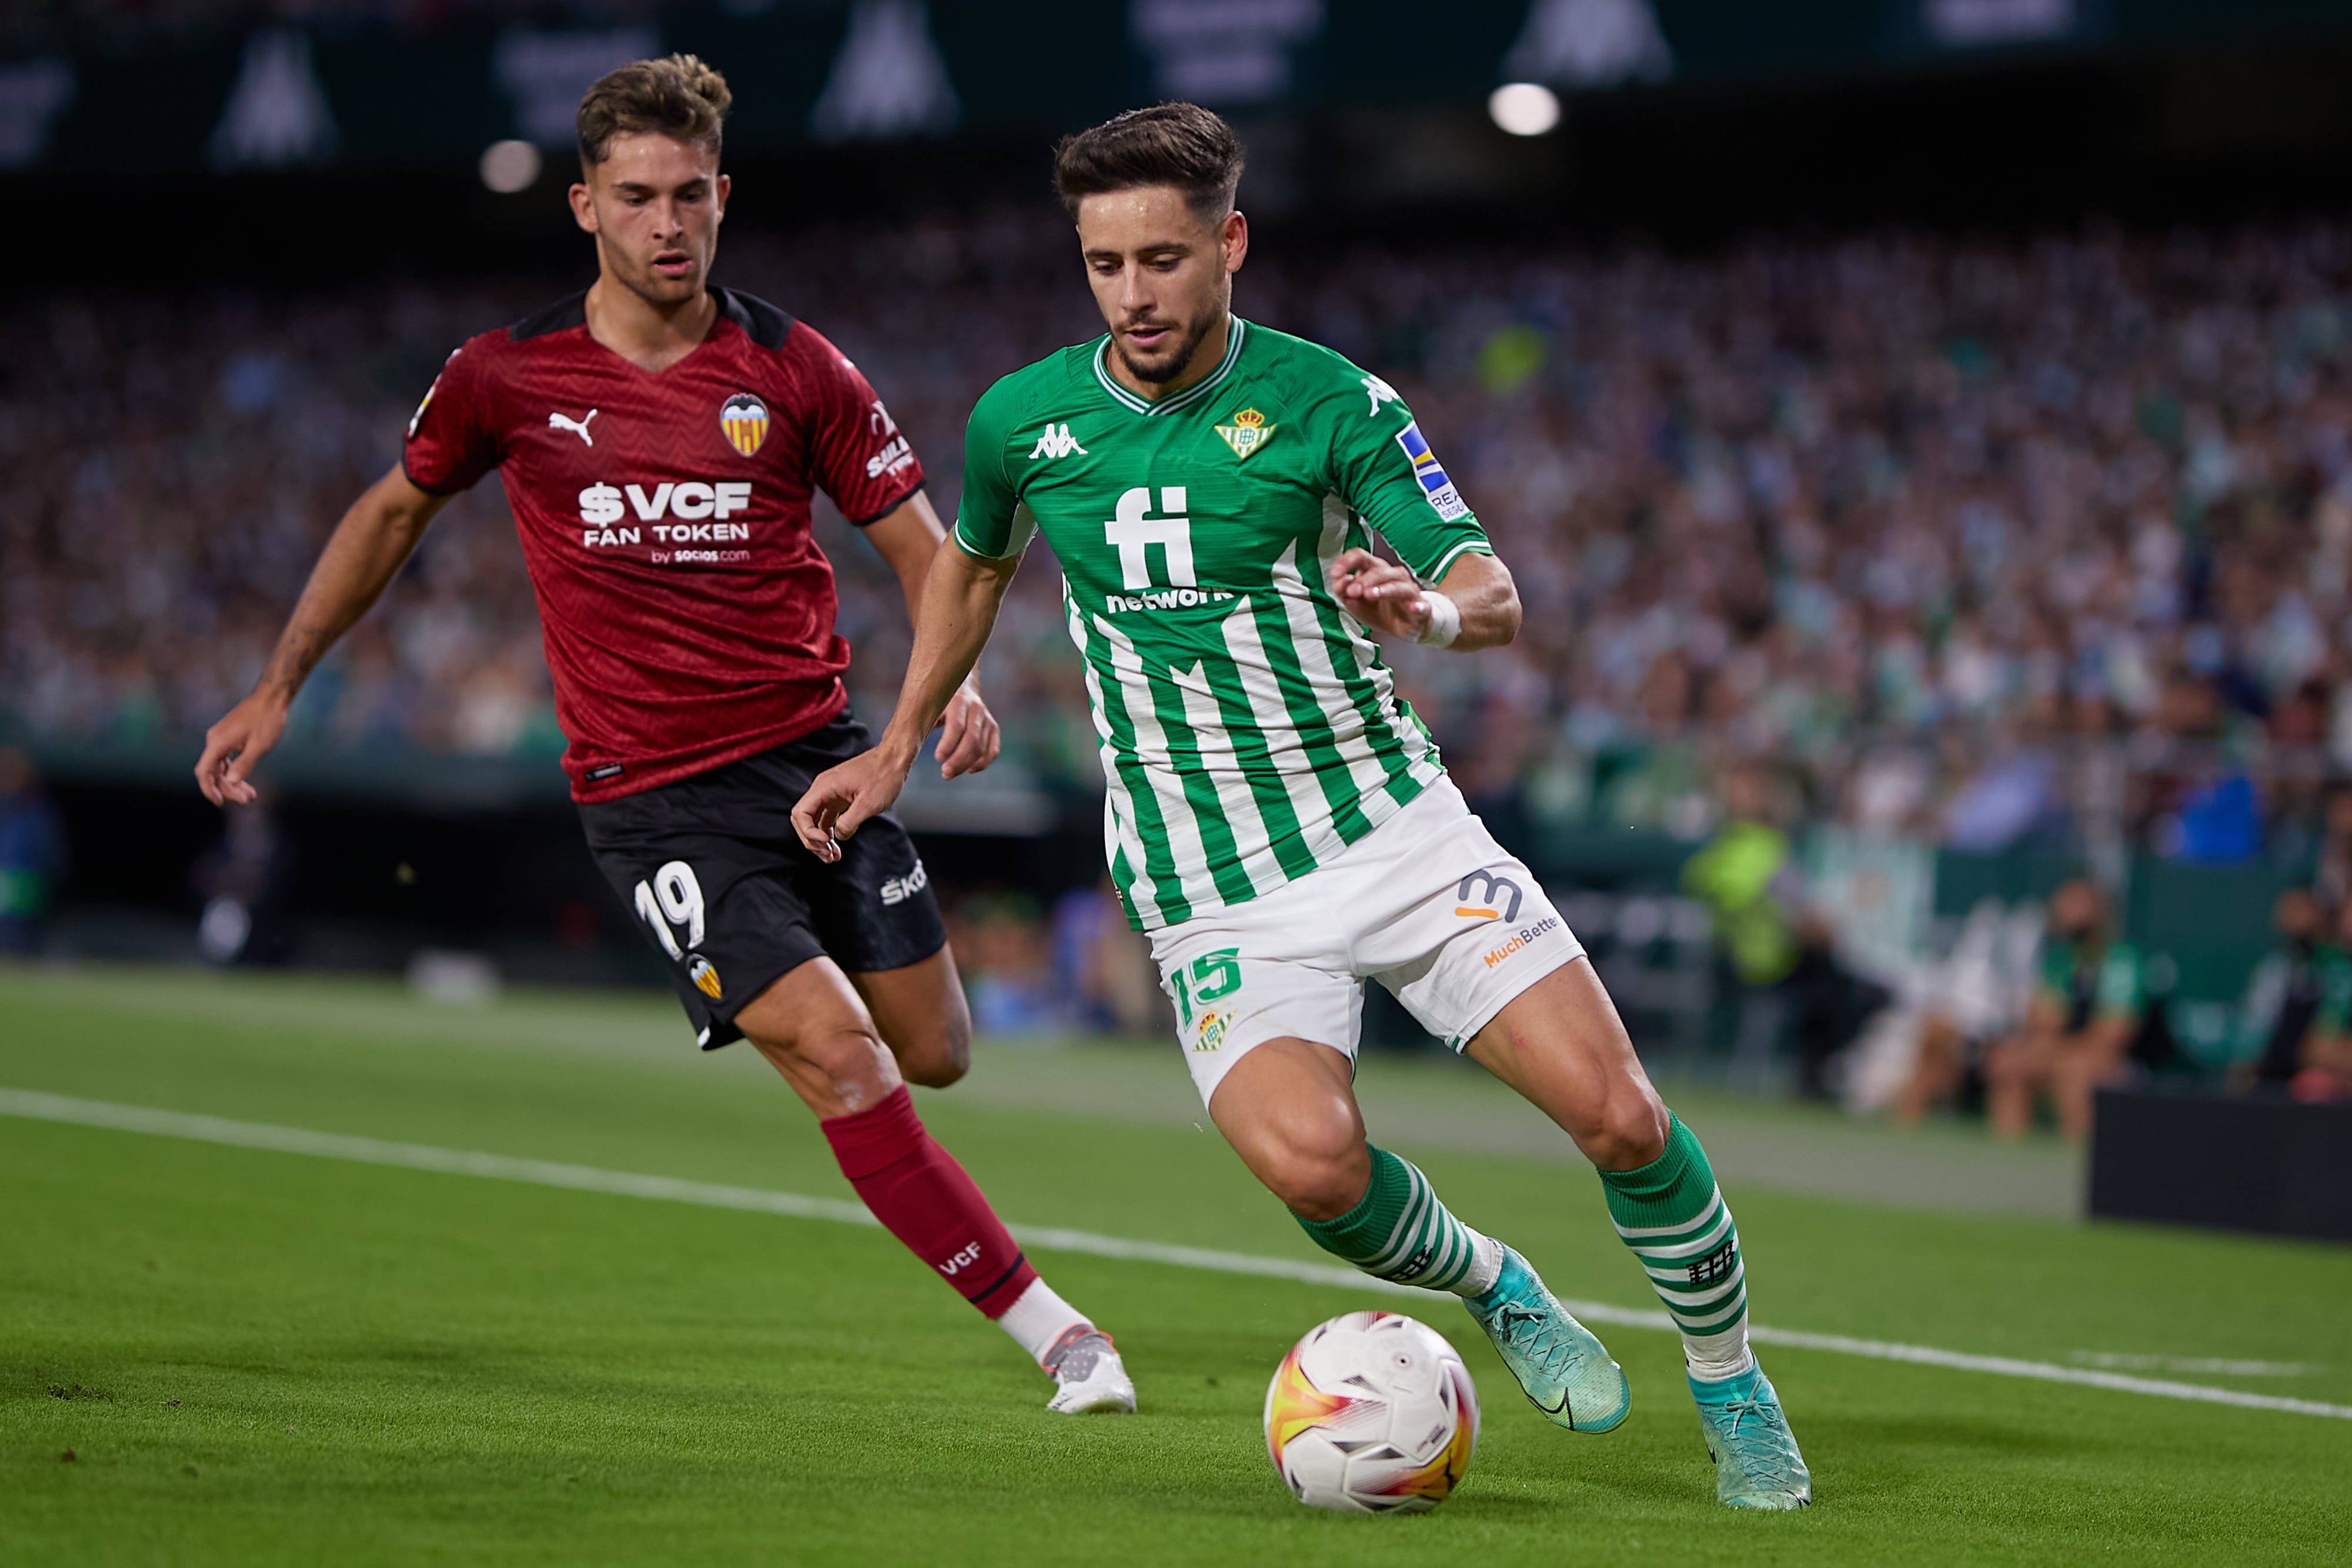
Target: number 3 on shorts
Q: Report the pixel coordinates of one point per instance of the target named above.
(673, 898)
(1214, 975)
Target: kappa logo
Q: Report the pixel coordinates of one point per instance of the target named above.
(578, 427)
(1492, 889)
(900, 888)
(1057, 442)
(1379, 391)
(743, 420)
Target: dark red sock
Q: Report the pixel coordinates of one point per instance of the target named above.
(929, 1202)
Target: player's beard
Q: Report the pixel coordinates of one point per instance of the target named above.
(1167, 366)
(663, 293)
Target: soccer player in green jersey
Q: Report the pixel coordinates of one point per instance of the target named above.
(1277, 817)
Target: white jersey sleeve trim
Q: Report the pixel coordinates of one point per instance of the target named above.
(1024, 529)
(1445, 563)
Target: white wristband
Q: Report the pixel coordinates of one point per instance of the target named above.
(1445, 621)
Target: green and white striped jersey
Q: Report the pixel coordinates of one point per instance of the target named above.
(1249, 729)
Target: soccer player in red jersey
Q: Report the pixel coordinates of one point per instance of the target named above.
(660, 439)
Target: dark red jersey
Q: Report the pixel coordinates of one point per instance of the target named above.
(689, 613)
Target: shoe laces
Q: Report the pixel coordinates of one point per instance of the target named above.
(1756, 1434)
(1535, 1333)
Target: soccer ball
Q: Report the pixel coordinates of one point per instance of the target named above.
(1372, 1413)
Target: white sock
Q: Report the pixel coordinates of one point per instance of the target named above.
(1714, 1356)
(1040, 1318)
(1485, 1266)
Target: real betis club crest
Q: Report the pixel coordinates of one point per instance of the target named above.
(1247, 433)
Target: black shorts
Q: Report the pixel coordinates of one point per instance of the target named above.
(719, 880)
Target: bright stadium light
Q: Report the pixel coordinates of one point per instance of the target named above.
(509, 166)
(1524, 108)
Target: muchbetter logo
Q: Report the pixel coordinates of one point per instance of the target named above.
(1590, 43)
(276, 114)
(1492, 903)
(889, 80)
(1057, 442)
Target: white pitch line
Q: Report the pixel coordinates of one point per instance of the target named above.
(40, 1107)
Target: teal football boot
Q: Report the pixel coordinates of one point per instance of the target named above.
(1756, 1464)
(1566, 1372)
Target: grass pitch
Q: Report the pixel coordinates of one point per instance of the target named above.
(257, 1357)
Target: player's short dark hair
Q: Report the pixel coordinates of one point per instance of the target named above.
(1178, 145)
(676, 96)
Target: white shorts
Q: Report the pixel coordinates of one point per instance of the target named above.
(1427, 903)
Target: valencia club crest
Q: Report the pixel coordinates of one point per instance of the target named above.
(744, 422)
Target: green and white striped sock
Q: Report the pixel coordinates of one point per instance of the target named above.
(1673, 1216)
(1402, 1232)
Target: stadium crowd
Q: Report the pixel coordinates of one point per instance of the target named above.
(1979, 540)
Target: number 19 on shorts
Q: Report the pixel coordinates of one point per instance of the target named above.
(673, 898)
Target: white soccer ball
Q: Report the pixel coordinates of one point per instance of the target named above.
(1372, 1413)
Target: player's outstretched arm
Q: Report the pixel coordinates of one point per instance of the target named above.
(908, 539)
(369, 546)
(1385, 597)
(960, 598)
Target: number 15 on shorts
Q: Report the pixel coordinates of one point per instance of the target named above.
(1210, 977)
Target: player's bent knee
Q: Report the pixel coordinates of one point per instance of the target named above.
(1315, 1187)
(841, 1068)
(923, 1016)
(1630, 1132)
(1319, 1173)
(941, 1056)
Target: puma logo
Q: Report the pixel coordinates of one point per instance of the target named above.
(578, 427)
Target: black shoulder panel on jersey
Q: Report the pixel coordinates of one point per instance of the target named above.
(569, 311)
(762, 323)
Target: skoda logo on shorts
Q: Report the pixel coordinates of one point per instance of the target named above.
(1491, 891)
(704, 974)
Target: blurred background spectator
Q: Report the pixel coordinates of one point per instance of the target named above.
(2025, 539)
(32, 852)
(2089, 1006)
(2290, 989)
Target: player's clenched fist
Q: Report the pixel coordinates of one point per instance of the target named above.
(843, 799)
